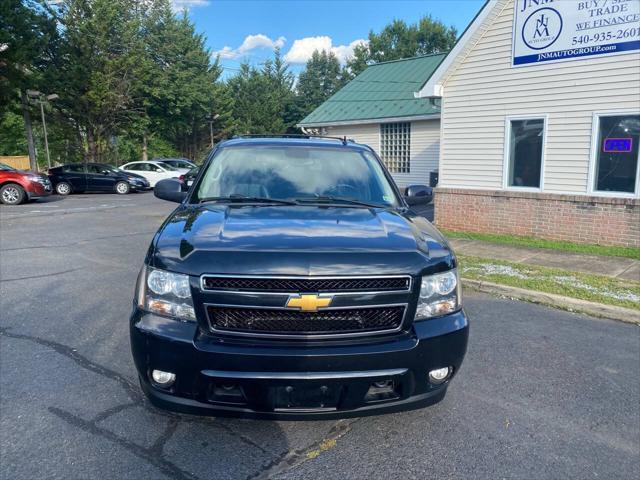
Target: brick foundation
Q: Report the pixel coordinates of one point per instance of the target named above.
(574, 218)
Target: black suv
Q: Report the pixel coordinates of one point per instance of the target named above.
(294, 281)
(94, 177)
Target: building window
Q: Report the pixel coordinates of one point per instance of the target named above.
(616, 168)
(525, 150)
(395, 146)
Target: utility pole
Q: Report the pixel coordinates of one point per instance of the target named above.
(41, 97)
(44, 128)
(27, 125)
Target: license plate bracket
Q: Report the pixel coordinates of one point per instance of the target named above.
(303, 397)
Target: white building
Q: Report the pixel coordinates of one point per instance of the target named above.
(540, 122)
(379, 108)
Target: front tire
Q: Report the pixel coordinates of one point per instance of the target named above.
(12, 194)
(63, 188)
(123, 188)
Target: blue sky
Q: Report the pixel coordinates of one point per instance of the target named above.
(249, 29)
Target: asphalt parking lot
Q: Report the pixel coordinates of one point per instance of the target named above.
(542, 393)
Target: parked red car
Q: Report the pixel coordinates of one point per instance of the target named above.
(17, 186)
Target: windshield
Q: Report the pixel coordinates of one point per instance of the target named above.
(6, 168)
(296, 173)
(166, 166)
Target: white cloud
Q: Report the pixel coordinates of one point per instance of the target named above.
(302, 49)
(343, 52)
(179, 5)
(251, 42)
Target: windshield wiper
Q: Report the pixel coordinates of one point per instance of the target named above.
(332, 199)
(235, 198)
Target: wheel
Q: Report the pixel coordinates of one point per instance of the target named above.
(12, 194)
(63, 188)
(122, 188)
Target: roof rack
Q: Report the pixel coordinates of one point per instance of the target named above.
(344, 140)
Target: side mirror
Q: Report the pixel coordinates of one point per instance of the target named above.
(170, 189)
(159, 170)
(418, 194)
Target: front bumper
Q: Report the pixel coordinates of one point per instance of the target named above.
(139, 186)
(38, 190)
(294, 379)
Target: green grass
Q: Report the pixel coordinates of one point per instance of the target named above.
(628, 252)
(594, 288)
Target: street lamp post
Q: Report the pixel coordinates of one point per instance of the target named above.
(40, 96)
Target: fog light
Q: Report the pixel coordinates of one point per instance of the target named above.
(226, 393)
(439, 375)
(382, 384)
(163, 379)
(381, 390)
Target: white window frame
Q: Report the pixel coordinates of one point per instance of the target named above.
(593, 157)
(507, 149)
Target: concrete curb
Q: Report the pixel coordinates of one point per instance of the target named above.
(558, 301)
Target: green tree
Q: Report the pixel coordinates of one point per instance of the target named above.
(25, 31)
(321, 78)
(12, 137)
(262, 98)
(399, 40)
(95, 66)
(181, 82)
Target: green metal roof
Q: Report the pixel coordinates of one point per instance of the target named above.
(383, 90)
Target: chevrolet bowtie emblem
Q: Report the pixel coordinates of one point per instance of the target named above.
(308, 303)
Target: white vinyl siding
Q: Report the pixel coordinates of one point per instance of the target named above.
(369, 134)
(425, 147)
(482, 89)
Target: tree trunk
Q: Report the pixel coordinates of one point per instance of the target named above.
(27, 125)
(92, 145)
(82, 144)
(145, 153)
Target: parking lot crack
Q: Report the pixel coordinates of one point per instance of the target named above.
(293, 458)
(241, 437)
(130, 388)
(112, 411)
(217, 424)
(42, 275)
(158, 447)
(150, 455)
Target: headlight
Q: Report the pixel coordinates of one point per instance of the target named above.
(37, 179)
(166, 293)
(439, 295)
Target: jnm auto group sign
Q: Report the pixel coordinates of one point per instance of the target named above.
(549, 30)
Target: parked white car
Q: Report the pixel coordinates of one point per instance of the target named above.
(153, 171)
(178, 163)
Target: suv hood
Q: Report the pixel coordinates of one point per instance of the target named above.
(296, 240)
